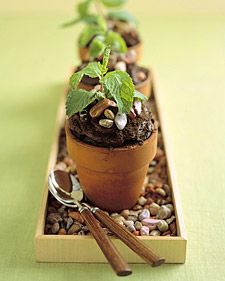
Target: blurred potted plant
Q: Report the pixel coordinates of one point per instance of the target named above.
(105, 26)
(111, 135)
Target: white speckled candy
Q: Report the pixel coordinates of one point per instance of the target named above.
(121, 120)
(138, 106)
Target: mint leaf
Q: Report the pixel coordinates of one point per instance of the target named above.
(82, 8)
(113, 3)
(122, 16)
(139, 96)
(75, 79)
(93, 70)
(116, 42)
(77, 100)
(88, 33)
(97, 46)
(120, 86)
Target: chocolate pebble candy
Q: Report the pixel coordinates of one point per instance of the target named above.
(106, 123)
(144, 231)
(142, 200)
(154, 233)
(144, 214)
(160, 191)
(162, 226)
(109, 114)
(154, 208)
(138, 225)
(121, 120)
(55, 228)
(99, 108)
(121, 65)
(164, 213)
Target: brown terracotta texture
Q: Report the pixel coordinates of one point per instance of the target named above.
(84, 52)
(112, 178)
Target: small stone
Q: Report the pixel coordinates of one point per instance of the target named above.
(167, 189)
(141, 76)
(51, 210)
(119, 219)
(144, 214)
(155, 233)
(138, 225)
(149, 222)
(170, 206)
(162, 226)
(168, 199)
(142, 200)
(106, 123)
(99, 108)
(137, 207)
(121, 120)
(164, 213)
(125, 213)
(173, 228)
(138, 106)
(109, 114)
(132, 114)
(154, 208)
(152, 227)
(160, 191)
(74, 229)
(132, 218)
(127, 223)
(62, 209)
(55, 228)
(61, 166)
(136, 233)
(81, 232)
(130, 56)
(131, 228)
(160, 201)
(53, 218)
(121, 65)
(62, 231)
(166, 233)
(76, 216)
(68, 161)
(171, 219)
(144, 231)
(69, 222)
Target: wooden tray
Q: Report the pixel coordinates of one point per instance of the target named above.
(84, 249)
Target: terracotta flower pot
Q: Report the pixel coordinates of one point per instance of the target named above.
(84, 52)
(112, 178)
(144, 87)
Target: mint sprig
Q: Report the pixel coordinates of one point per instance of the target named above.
(116, 85)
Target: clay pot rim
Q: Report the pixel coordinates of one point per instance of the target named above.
(106, 149)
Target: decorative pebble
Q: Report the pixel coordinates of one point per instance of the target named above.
(142, 200)
(132, 114)
(128, 223)
(106, 123)
(76, 216)
(53, 218)
(62, 231)
(131, 228)
(141, 76)
(121, 65)
(154, 233)
(138, 225)
(130, 56)
(132, 218)
(167, 189)
(55, 228)
(125, 213)
(109, 114)
(69, 222)
(149, 222)
(99, 108)
(144, 231)
(170, 206)
(121, 120)
(74, 229)
(138, 106)
(154, 208)
(162, 226)
(144, 214)
(161, 191)
(171, 219)
(164, 213)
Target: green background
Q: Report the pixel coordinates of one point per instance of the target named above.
(36, 56)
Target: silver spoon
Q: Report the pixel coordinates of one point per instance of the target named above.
(70, 196)
(67, 194)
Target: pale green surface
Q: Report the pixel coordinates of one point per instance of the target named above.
(189, 55)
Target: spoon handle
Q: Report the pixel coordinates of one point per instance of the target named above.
(109, 250)
(129, 239)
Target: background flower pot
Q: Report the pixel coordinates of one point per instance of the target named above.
(112, 178)
(84, 52)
